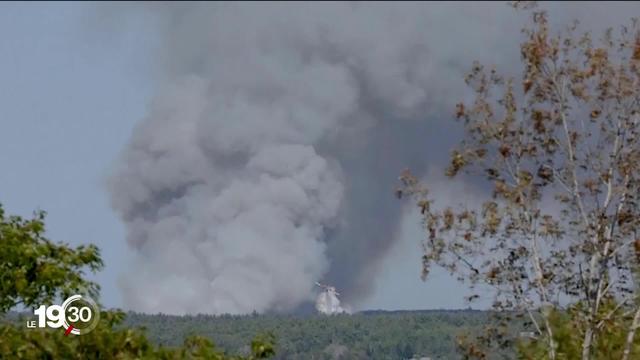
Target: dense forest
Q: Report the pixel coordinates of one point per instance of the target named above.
(367, 335)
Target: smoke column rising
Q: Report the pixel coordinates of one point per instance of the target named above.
(269, 153)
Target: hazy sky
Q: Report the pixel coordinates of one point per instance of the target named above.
(73, 88)
(67, 105)
(68, 102)
(76, 79)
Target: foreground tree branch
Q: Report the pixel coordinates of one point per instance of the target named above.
(562, 156)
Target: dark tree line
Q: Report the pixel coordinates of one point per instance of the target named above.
(369, 335)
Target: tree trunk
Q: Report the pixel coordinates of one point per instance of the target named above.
(631, 334)
(586, 344)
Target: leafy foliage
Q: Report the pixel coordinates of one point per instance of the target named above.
(34, 271)
(560, 149)
(568, 334)
(108, 341)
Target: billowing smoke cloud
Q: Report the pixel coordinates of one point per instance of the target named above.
(269, 154)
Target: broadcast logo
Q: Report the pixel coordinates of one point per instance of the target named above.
(78, 315)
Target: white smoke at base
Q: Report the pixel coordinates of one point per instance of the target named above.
(328, 303)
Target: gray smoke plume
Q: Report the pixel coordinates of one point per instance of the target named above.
(269, 154)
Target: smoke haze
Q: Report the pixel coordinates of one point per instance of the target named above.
(270, 151)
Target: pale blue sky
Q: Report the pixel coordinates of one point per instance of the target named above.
(70, 95)
(67, 105)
